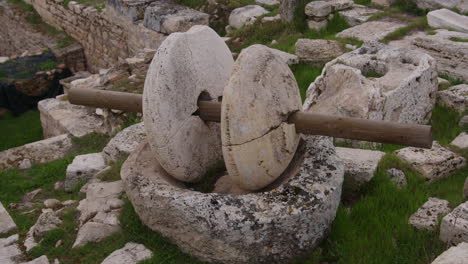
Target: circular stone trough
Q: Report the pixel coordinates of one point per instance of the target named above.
(277, 224)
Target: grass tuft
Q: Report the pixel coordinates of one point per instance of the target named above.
(417, 24)
(305, 74)
(19, 130)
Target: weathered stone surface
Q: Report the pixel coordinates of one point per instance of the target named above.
(426, 217)
(376, 82)
(454, 226)
(124, 143)
(317, 51)
(52, 203)
(360, 165)
(287, 58)
(291, 216)
(40, 260)
(435, 163)
(61, 117)
(358, 14)
(258, 144)
(454, 255)
(455, 97)
(37, 152)
(444, 18)
(338, 5)
(276, 18)
(397, 176)
(99, 212)
(83, 168)
(437, 4)
(47, 221)
(317, 25)
(10, 253)
(385, 3)
(167, 17)
(30, 196)
(4, 59)
(318, 9)
(461, 141)
(7, 224)
(267, 2)
(187, 66)
(287, 9)
(371, 31)
(131, 253)
(245, 15)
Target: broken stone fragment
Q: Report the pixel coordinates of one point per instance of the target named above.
(455, 97)
(258, 143)
(427, 216)
(444, 18)
(461, 141)
(47, 221)
(82, 169)
(398, 177)
(131, 253)
(318, 9)
(52, 203)
(10, 253)
(454, 255)
(7, 224)
(40, 260)
(371, 31)
(454, 226)
(122, 144)
(245, 15)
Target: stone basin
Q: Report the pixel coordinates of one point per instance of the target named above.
(285, 220)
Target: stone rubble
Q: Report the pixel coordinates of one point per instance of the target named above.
(358, 14)
(398, 177)
(245, 15)
(461, 141)
(10, 253)
(427, 216)
(7, 224)
(371, 31)
(454, 226)
(455, 97)
(131, 253)
(37, 152)
(40, 260)
(435, 163)
(318, 51)
(82, 169)
(99, 212)
(52, 203)
(124, 143)
(47, 221)
(444, 18)
(454, 255)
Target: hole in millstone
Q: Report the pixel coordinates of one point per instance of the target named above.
(212, 175)
(204, 96)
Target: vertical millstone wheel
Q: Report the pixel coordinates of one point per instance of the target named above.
(187, 67)
(258, 143)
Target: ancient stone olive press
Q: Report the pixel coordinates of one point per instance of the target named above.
(282, 187)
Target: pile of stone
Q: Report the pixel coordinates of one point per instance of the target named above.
(320, 12)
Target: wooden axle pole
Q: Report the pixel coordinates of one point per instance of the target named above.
(306, 123)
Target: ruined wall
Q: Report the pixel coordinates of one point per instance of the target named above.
(105, 36)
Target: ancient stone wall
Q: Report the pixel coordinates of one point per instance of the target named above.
(105, 35)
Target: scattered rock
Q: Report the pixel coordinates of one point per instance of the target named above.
(124, 143)
(339, 5)
(455, 97)
(435, 163)
(52, 203)
(30, 196)
(461, 141)
(444, 18)
(83, 168)
(454, 255)
(25, 164)
(442, 81)
(271, 18)
(37, 152)
(318, 9)
(167, 17)
(318, 51)
(371, 31)
(94, 232)
(358, 14)
(40, 260)
(58, 185)
(131, 253)
(454, 226)
(287, 58)
(427, 216)
(47, 221)
(385, 3)
(245, 15)
(267, 2)
(397, 176)
(376, 82)
(7, 224)
(10, 252)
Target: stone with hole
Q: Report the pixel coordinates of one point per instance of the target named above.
(187, 66)
(258, 143)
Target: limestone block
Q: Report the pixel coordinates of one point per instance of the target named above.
(461, 141)
(444, 18)
(427, 216)
(318, 9)
(398, 177)
(167, 17)
(124, 143)
(454, 226)
(258, 144)
(245, 15)
(317, 25)
(7, 224)
(267, 2)
(338, 5)
(47, 221)
(454, 255)
(131, 253)
(52, 203)
(10, 253)
(37, 152)
(376, 82)
(83, 168)
(188, 66)
(291, 216)
(271, 18)
(358, 14)
(371, 31)
(435, 163)
(455, 97)
(318, 51)
(40, 260)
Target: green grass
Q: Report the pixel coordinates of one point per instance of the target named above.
(458, 39)
(452, 81)
(114, 173)
(445, 124)
(416, 24)
(47, 65)
(305, 75)
(19, 130)
(90, 143)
